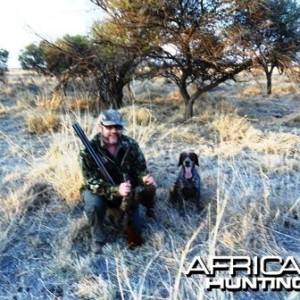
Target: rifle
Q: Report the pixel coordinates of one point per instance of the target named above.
(93, 154)
(133, 237)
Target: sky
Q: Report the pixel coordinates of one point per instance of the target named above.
(23, 22)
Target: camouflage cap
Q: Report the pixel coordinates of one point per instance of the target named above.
(111, 117)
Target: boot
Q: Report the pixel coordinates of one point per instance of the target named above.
(96, 247)
(134, 238)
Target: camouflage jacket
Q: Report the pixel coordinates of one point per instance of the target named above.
(130, 161)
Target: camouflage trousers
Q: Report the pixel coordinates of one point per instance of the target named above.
(97, 207)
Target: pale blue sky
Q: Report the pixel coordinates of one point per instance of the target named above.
(21, 20)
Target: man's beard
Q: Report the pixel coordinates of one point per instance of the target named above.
(112, 139)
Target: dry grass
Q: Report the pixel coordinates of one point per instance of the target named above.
(45, 102)
(184, 135)
(89, 287)
(8, 90)
(209, 110)
(83, 104)
(138, 115)
(284, 89)
(277, 143)
(250, 185)
(289, 120)
(173, 98)
(65, 175)
(38, 123)
(236, 134)
(235, 129)
(57, 102)
(3, 109)
(61, 166)
(251, 91)
(13, 205)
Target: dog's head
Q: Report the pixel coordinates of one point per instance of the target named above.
(188, 159)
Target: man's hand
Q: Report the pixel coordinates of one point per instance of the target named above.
(124, 189)
(149, 180)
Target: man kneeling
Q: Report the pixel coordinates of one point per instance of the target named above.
(126, 164)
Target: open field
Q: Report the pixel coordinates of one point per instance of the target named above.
(248, 145)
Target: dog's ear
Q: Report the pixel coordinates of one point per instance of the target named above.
(194, 158)
(182, 157)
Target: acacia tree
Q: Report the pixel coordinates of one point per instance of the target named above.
(64, 59)
(3, 64)
(184, 40)
(86, 57)
(67, 58)
(271, 33)
(32, 58)
(109, 68)
(118, 57)
(111, 73)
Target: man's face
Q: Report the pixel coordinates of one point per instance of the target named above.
(111, 134)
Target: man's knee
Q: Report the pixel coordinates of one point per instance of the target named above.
(93, 202)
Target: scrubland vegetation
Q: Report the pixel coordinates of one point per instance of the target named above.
(248, 145)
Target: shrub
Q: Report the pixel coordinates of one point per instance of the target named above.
(39, 123)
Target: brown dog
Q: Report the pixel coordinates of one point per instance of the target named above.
(188, 183)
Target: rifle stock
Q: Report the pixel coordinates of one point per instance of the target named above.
(134, 239)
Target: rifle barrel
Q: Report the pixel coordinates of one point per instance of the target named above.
(91, 151)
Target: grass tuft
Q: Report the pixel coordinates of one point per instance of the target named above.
(39, 123)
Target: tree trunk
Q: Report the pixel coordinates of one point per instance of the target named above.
(188, 102)
(269, 83)
(116, 97)
(269, 79)
(110, 93)
(189, 112)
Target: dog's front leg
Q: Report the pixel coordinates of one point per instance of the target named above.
(199, 203)
(181, 202)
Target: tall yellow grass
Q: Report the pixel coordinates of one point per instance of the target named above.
(39, 123)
